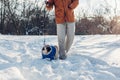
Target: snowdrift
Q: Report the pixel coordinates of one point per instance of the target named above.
(90, 58)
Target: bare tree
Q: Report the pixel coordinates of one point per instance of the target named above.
(2, 15)
(18, 18)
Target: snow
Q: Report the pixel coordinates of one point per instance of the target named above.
(92, 57)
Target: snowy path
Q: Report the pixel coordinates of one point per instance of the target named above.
(91, 58)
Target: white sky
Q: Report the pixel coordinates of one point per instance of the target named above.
(86, 3)
(90, 5)
(97, 2)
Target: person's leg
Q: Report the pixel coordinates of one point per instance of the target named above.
(70, 35)
(61, 32)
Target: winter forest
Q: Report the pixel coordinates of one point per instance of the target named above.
(29, 17)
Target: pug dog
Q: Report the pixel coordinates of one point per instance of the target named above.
(50, 52)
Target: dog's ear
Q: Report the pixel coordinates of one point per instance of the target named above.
(48, 48)
(43, 48)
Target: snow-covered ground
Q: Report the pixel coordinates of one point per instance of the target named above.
(92, 57)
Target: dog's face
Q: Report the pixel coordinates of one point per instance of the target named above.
(46, 49)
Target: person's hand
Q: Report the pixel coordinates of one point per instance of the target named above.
(47, 3)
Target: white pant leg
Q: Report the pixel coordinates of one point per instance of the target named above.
(61, 33)
(70, 35)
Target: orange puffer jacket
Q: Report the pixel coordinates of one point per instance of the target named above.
(64, 10)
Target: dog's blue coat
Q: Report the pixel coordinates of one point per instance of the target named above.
(51, 55)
